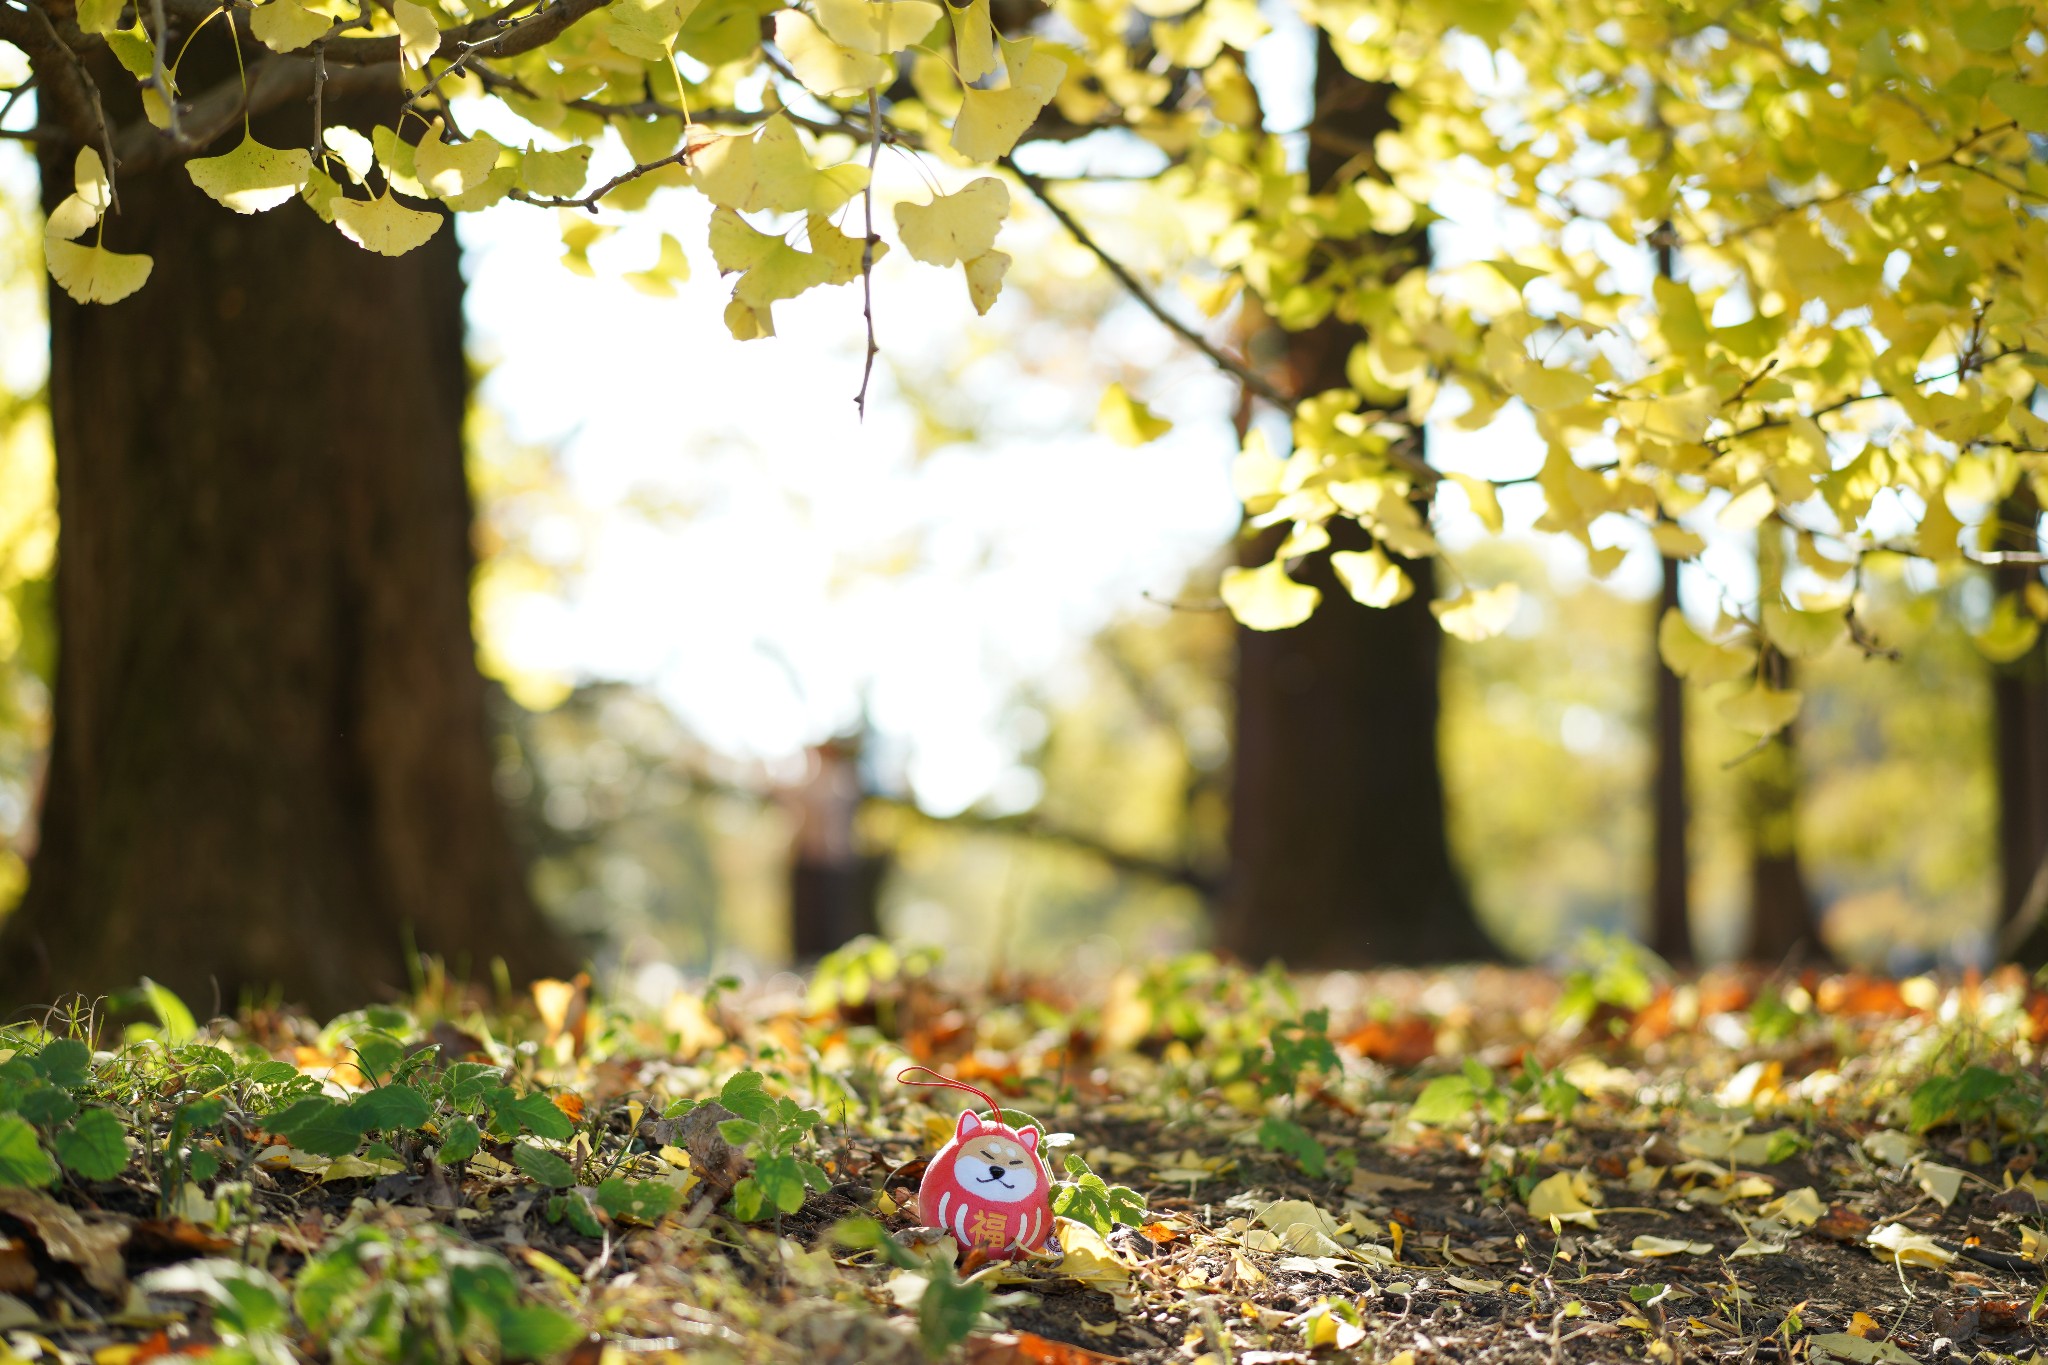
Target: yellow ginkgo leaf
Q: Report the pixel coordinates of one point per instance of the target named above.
(1803, 634)
(1645, 1248)
(395, 155)
(580, 232)
(1901, 1245)
(1125, 420)
(93, 274)
(1802, 1206)
(876, 26)
(384, 225)
(100, 16)
(2011, 632)
(671, 268)
(252, 178)
(446, 170)
(770, 269)
(954, 227)
(89, 180)
(556, 174)
(1689, 655)
(841, 253)
(991, 121)
(771, 170)
(1479, 614)
(826, 68)
(1265, 598)
(321, 192)
(985, 279)
(287, 25)
(1547, 390)
(648, 29)
(1371, 577)
(1568, 1196)
(1677, 419)
(355, 151)
(1762, 710)
(419, 34)
(69, 219)
(974, 40)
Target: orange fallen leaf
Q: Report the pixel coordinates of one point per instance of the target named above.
(1027, 1348)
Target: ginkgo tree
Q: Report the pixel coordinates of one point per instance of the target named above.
(1845, 341)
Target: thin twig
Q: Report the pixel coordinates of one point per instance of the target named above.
(159, 76)
(99, 110)
(867, 252)
(1243, 373)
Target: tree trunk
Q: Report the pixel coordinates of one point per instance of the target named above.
(1670, 891)
(270, 766)
(1781, 916)
(2019, 697)
(1338, 847)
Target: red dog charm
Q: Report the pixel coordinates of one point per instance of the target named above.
(988, 1186)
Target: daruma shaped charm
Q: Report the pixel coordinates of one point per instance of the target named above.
(989, 1188)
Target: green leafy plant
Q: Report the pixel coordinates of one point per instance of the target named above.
(378, 1298)
(46, 1125)
(769, 1131)
(1087, 1198)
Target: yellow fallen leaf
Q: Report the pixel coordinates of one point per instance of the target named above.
(1568, 1196)
(1302, 1227)
(1648, 1247)
(1937, 1182)
(1906, 1247)
(1802, 1206)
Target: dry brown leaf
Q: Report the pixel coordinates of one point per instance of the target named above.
(94, 1247)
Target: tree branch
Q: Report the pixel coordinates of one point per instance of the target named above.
(1242, 372)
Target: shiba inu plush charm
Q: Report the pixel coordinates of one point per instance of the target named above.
(988, 1186)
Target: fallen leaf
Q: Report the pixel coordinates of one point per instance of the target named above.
(94, 1247)
(1906, 1247)
(1801, 1206)
(1649, 1247)
(1568, 1196)
(1843, 1346)
(1939, 1183)
(1302, 1227)
(1026, 1348)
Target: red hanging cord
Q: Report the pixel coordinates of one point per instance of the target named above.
(947, 1083)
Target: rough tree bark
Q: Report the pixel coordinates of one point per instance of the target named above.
(2019, 698)
(1339, 855)
(270, 766)
(1782, 926)
(1671, 865)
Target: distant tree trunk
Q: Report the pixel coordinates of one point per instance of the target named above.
(835, 889)
(1781, 915)
(2019, 696)
(270, 766)
(1670, 892)
(1671, 863)
(1339, 852)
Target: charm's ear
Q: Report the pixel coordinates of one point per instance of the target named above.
(970, 1124)
(1029, 1137)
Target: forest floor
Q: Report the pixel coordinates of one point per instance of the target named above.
(1480, 1165)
